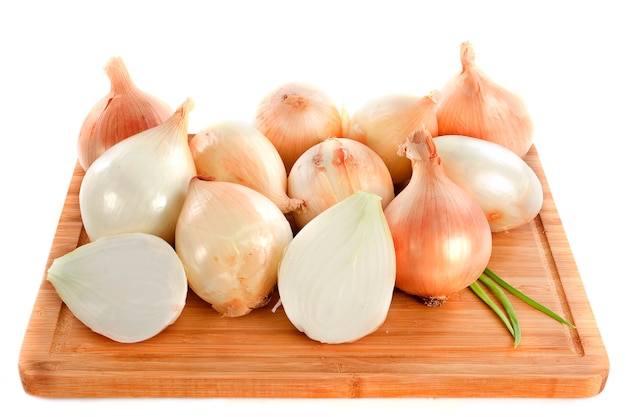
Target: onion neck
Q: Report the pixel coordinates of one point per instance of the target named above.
(468, 56)
(118, 74)
(420, 149)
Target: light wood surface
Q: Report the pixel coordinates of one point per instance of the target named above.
(458, 350)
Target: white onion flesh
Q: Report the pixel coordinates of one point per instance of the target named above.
(140, 183)
(127, 287)
(504, 185)
(337, 277)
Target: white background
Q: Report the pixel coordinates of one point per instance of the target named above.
(566, 59)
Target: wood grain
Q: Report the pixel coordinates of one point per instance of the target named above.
(458, 350)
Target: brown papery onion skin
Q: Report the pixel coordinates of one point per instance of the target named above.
(441, 236)
(296, 116)
(122, 113)
(384, 123)
(333, 170)
(472, 104)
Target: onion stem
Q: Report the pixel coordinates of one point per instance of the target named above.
(525, 298)
(508, 307)
(478, 290)
(495, 284)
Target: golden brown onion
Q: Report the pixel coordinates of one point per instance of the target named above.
(471, 104)
(122, 113)
(296, 116)
(441, 236)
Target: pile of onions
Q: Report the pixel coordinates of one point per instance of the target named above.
(235, 151)
(122, 113)
(404, 194)
(333, 170)
(441, 236)
(384, 123)
(471, 104)
(230, 239)
(296, 116)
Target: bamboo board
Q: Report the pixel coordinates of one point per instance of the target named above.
(458, 350)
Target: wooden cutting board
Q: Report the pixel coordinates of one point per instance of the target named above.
(458, 350)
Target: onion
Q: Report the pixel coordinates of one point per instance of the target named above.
(331, 171)
(507, 189)
(139, 184)
(471, 104)
(336, 279)
(122, 113)
(441, 236)
(230, 239)
(296, 116)
(127, 287)
(384, 123)
(235, 151)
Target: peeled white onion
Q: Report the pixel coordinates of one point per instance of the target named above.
(503, 184)
(140, 183)
(230, 239)
(337, 276)
(127, 287)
